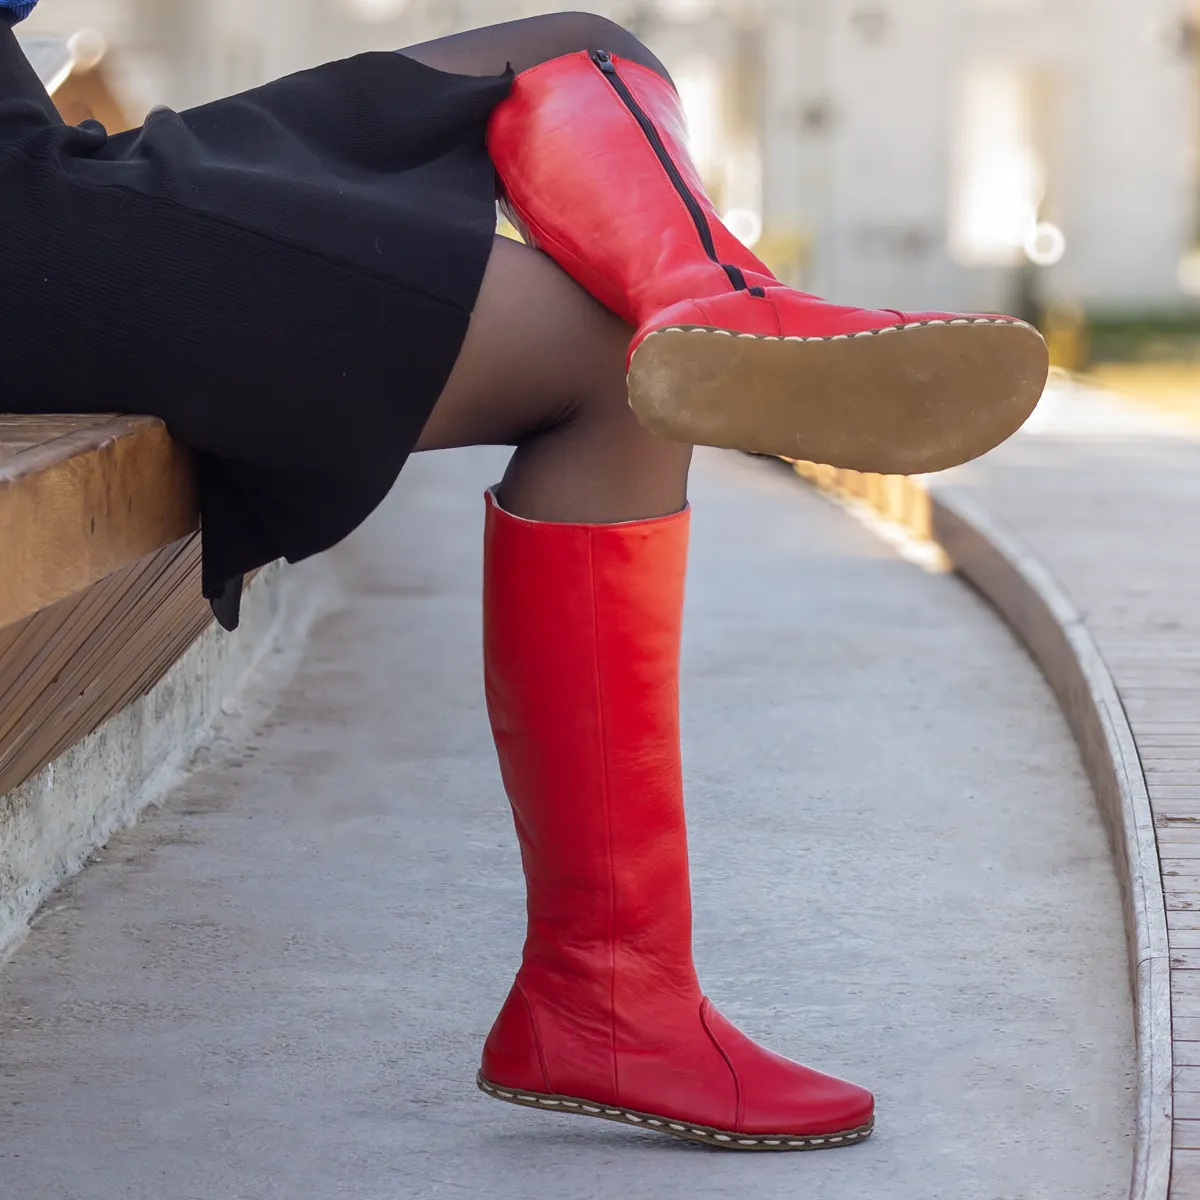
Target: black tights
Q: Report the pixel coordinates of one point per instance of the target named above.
(524, 44)
(543, 365)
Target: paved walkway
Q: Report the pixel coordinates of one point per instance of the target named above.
(1108, 497)
(278, 985)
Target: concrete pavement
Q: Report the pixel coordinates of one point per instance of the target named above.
(277, 985)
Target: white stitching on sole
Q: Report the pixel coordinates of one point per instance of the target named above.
(709, 1135)
(842, 337)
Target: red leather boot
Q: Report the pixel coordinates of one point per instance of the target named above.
(606, 1017)
(592, 154)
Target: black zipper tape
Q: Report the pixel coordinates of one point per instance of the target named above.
(608, 68)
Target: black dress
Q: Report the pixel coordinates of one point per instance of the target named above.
(285, 277)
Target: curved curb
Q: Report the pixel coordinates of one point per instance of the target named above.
(1026, 595)
(1024, 592)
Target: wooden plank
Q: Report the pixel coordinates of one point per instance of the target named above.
(1185, 996)
(80, 86)
(86, 503)
(1185, 1175)
(67, 669)
(20, 433)
(51, 57)
(1175, 849)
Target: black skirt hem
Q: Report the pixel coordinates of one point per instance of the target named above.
(284, 277)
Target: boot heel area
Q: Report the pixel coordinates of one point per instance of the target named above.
(512, 1055)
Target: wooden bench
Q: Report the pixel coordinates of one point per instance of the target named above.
(99, 549)
(99, 576)
(75, 73)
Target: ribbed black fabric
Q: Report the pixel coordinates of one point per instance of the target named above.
(284, 277)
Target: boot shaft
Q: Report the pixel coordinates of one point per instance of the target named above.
(604, 140)
(581, 640)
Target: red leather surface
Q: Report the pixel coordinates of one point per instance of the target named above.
(586, 184)
(581, 638)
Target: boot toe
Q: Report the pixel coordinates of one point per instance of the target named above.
(777, 1095)
(810, 1104)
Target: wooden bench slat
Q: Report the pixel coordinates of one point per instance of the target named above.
(81, 497)
(68, 668)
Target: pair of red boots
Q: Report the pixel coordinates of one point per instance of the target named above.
(582, 623)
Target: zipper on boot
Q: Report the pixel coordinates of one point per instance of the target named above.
(603, 60)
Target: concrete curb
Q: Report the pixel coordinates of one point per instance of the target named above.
(1037, 609)
(57, 818)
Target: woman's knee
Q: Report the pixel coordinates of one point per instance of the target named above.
(529, 42)
(601, 417)
(570, 32)
(588, 31)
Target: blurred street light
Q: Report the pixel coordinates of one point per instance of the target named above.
(1189, 272)
(1045, 245)
(88, 47)
(746, 225)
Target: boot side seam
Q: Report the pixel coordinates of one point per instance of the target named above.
(707, 202)
(633, 125)
(737, 1083)
(537, 1035)
(604, 783)
(778, 320)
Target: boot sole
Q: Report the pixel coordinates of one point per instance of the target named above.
(903, 400)
(724, 1139)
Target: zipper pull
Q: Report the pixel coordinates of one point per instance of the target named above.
(604, 61)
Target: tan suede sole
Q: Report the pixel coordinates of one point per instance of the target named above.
(724, 1139)
(903, 400)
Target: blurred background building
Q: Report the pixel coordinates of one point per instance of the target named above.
(1030, 155)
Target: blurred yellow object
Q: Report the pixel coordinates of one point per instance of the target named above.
(1169, 387)
(896, 498)
(786, 252)
(1064, 329)
(505, 228)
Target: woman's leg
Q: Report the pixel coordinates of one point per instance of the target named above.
(591, 153)
(585, 555)
(543, 369)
